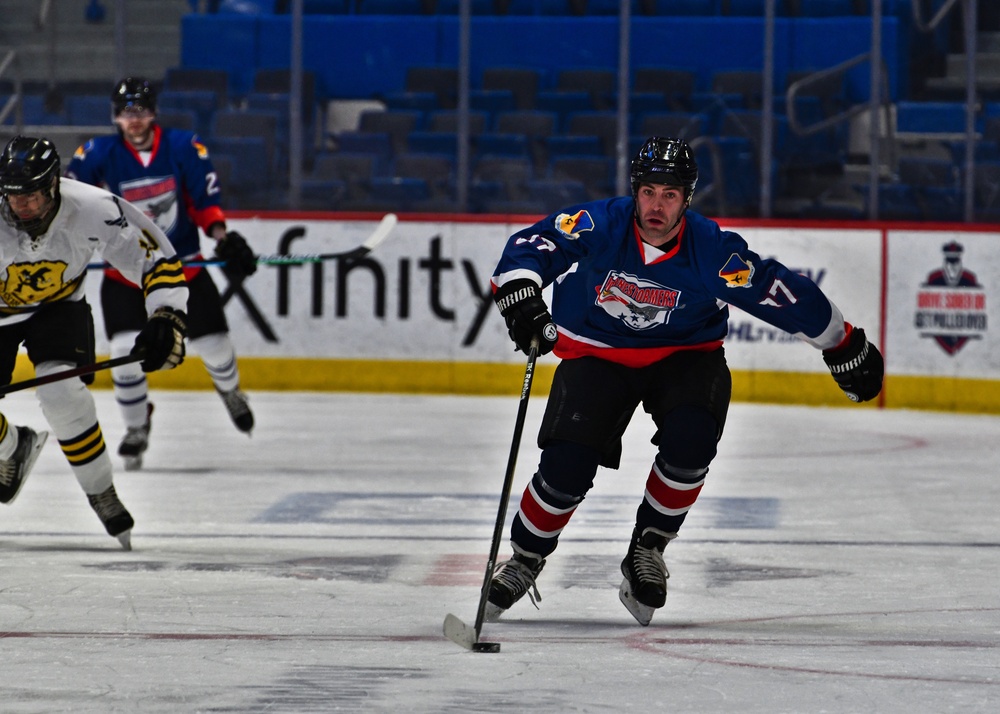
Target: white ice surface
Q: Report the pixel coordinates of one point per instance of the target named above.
(838, 560)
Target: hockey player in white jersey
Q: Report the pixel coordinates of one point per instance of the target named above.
(50, 231)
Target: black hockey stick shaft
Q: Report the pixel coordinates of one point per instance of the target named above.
(508, 480)
(68, 373)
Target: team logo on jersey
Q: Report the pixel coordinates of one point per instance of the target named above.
(200, 148)
(573, 226)
(29, 283)
(737, 272)
(156, 196)
(640, 304)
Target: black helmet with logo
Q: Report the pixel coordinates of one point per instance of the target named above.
(28, 165)
(665, 161)
(133, 92)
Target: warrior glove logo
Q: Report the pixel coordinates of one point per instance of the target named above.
(640, 304)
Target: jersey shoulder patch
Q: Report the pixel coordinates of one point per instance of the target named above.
(737, 272)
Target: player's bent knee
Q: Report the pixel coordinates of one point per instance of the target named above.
(66, 404)
(688, 438)
(569, 468)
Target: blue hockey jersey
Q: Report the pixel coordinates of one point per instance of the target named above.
(178, 189)
(619, 299)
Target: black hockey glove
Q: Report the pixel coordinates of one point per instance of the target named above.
(240, 262)
(857, 367)
(162, 340)
(527, 317)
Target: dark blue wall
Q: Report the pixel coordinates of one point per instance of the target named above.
(358, 56)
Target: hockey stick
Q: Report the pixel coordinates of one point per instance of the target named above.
(454, 629)
(381, 232)
(75, 372)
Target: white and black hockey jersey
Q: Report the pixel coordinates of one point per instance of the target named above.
(89, 221)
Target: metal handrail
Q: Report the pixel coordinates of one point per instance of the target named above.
(942, 12)
(14, 102)
(837, 70)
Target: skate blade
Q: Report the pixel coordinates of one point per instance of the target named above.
(643, 614)
(125, 538)
(132, 463)
(29, 464)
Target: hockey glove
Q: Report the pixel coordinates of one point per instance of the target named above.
(240, 262)
(527, 317)
(162, 340)
(857, 366)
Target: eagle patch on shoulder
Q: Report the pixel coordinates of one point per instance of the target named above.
(737, 272)
(573, 226)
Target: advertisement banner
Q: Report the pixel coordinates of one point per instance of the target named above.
(941, 293)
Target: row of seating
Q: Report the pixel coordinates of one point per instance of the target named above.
(576, 8)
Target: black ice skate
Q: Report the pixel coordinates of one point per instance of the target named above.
(117, 521)
(511, 580)
(644, 588)
(14, 471)
(135, 442)
(238, 407)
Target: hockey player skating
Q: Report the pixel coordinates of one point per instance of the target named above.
(640, 292)
(168, 174)
(50, 230)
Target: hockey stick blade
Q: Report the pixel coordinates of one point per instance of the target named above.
(377, 237)
(461, 634)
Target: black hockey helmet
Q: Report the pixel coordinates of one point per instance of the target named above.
(665, 161)
(28, 165)
(133, 92)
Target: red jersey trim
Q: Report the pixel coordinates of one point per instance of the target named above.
(569, 348)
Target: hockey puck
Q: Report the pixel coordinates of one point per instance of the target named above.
(486, 647)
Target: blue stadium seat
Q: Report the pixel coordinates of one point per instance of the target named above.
(202, 102)
(406, 193)
(391, 7)
(412, 101)
(704, 8)
(433, 142)
(898, 202)
(88, 110)
(930, 117)
(826, 8)
(477, 7)
(325, 7)
(250, 161)
(682, 125)
(376, 144)
(560, 145)
(496, 144)
(558, 193)
(564, 103)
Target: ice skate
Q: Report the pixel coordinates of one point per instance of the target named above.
(116, 519)
(511, 580)
(238, 407)
(644, 588)
(135, 442)
(14, 471)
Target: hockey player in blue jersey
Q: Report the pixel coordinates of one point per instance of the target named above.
(641, 286)
(169, 175)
